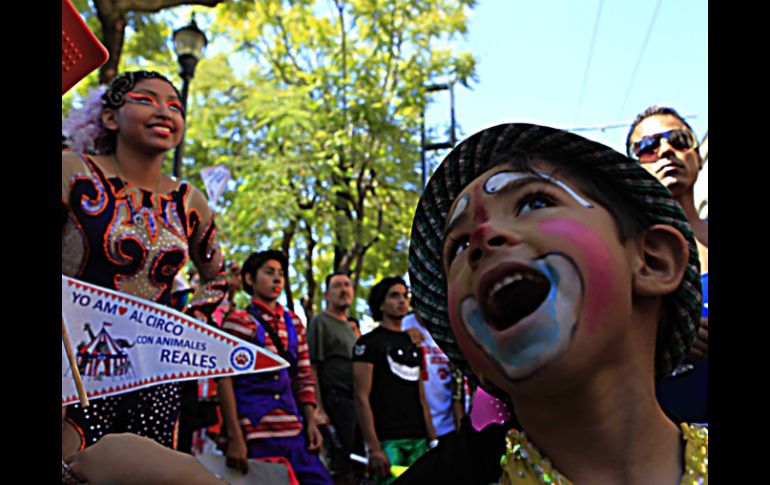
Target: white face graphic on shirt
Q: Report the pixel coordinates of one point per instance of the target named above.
(404, 363)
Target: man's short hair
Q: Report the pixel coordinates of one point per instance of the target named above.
(653, 111)
(332, 275)
(256, 260)
(378, 293)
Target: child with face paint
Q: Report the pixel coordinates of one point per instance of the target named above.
(565, 278)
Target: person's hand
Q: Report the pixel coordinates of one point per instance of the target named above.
(415, 335)
(236, 454)
(701, 345)
(379, 463)
(70, 439)
(321, 418)
(128, 458)
(314, 437)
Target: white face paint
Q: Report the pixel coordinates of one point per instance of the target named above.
(498, 181)
(462, 203)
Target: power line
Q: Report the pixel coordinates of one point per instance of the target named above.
(590, 55)
(641, 54)
(618, 124)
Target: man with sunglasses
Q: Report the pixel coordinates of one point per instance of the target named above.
(665, 144)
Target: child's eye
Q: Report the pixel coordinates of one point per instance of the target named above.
(456, 248)
(534, 202)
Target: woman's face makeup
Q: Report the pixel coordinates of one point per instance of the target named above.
(152, 114)
(150, 98)
(529, 259)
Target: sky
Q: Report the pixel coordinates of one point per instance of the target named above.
(576, 64)
(533, 65)
(549, 61)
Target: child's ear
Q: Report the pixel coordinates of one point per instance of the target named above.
(108, 119)
(248, 279)
(664, 256)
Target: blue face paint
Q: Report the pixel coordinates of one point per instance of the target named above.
(538, 338)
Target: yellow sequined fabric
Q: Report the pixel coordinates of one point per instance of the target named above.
(696, 455)
(524, 465)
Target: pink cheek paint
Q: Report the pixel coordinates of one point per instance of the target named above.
(476, 358)
(599, 288)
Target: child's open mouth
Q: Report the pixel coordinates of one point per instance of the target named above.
(523, 315)
(512, 292)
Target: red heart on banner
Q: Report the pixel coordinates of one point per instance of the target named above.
(122, 310)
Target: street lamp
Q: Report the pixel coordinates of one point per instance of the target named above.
(424, 145)
(189, 42)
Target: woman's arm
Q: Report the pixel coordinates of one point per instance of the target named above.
(206, 256)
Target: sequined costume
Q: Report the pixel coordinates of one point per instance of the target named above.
(524, 465)
(129, 239)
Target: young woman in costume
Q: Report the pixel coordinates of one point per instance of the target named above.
(128, 227)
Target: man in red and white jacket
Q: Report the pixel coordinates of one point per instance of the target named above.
(264, 413)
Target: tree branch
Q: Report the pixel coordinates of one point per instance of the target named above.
(308, 300)
(288, 235)
(112, 16)
(285, 37)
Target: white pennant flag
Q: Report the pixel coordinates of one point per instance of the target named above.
(215, 178)
(125, 343)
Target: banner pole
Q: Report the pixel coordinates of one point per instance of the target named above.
(73, 365)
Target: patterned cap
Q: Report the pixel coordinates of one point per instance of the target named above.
(494, 146)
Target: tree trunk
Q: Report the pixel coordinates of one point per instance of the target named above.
(288, 235)
(308, 300)
(112, 16)
(113, 22)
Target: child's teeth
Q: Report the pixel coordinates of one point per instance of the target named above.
(505, 282)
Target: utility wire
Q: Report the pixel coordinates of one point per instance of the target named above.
(641, 54)
(588, 61)
(619, 124)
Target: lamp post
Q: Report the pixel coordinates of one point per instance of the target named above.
(189, 42)
(424, 145)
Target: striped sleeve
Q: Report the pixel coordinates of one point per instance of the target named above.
(240, 324)
(305, 381)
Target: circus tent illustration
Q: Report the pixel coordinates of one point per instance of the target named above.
(102, 356)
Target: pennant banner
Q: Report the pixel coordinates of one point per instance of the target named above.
(126, 343)
(215, 178)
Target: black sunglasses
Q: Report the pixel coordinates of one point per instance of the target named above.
(680, 139)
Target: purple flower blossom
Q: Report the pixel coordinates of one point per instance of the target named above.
(83, 126)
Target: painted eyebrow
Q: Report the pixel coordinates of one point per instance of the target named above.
(540, 177)
(506, 189)
(173, 97)
(518, 184)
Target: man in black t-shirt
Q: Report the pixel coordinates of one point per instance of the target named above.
(389, 398)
